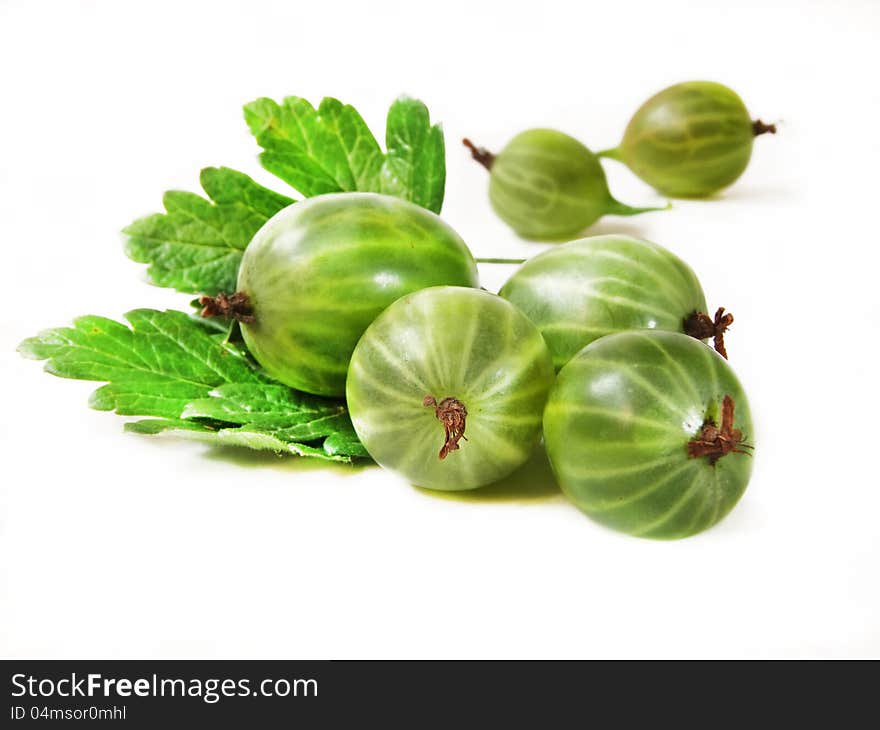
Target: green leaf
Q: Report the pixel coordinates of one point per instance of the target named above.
(155, 367)
(415, 167)
(196, 245)
(331, 149)
(244, 436)
(260, 404)
(176, 369)
(286, 414)
(325, 150)
(344, 442)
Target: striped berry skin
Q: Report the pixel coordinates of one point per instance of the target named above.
(586, 289)
(450, 345)
(690, 140)
(321, 270)
(619, 427)
(548, 186)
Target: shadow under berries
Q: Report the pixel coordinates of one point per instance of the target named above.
(534, 481)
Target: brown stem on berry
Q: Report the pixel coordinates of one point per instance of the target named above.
(759, 128)
(715, 441)
(453, 415)
(229, 306)
(480, 154)
(702, 327)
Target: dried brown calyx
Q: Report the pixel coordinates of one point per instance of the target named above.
(453, 415)
(229, 306)
(715, 441)
(702, 326)
(759, 128)
(480, 154)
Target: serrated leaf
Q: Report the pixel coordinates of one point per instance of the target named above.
(196, 245)
(330, 149)
(246, 437)
(325, 150)
(155, 367)
(181, 371)
(264, 403)
(286, 414)
(415, 166)
(175, 368)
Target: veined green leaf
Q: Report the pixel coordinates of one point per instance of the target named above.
(196, 245)
(174, 368)
(325, 150)
(331, 149)
(284, 413)
(300, 416)
(415, 167)
(247, 437)
(155, 367)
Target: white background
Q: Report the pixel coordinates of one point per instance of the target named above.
(115, 545)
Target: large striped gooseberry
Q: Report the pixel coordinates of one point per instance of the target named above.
(546, 185)
(649, 432)
(586, 289)
(320, 271)
(690, 140)
(448, 386)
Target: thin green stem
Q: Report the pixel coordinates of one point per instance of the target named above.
(612, 153)
(615, 207)
(499, 261)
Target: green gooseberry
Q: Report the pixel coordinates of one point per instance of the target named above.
(585, 289)
(547, 186)
(690, 140)
(320, 271)
(649, 432)
(447, 387)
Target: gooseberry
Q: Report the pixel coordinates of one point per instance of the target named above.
(586, 289)
(320, 271)
(649, 432)
(690, 140)
(447, 387)
(548, 186)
